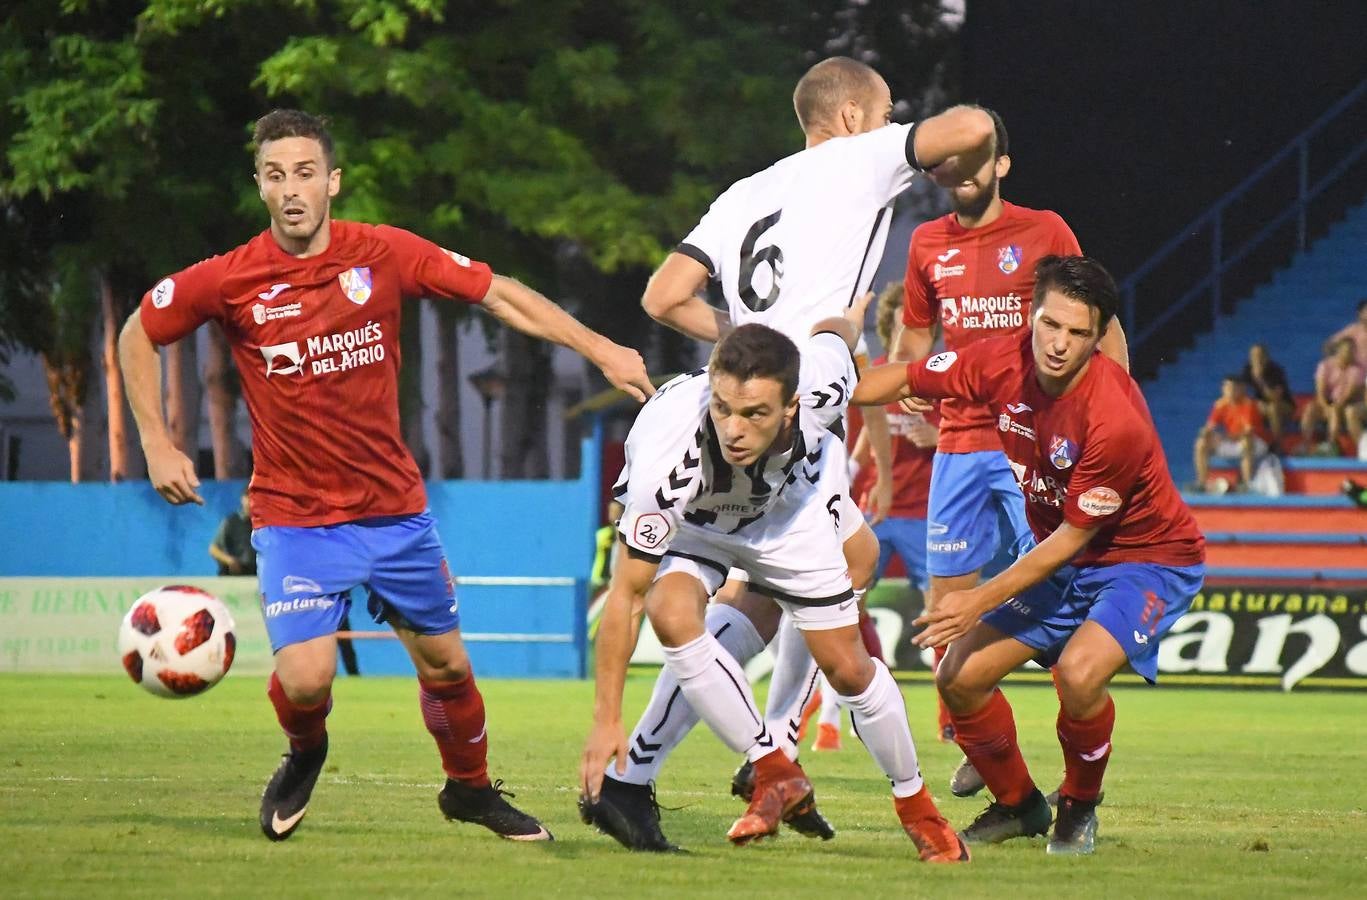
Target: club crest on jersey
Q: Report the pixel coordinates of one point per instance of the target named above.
(1009, 258)
(356, 284)
(1062, 452)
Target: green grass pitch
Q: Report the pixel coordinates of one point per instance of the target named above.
(106, 791)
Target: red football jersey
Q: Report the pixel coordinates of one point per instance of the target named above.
(978, 283)
(910, 464)
(316, 343)
(1091, 457)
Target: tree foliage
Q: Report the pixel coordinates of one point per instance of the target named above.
(568, 142)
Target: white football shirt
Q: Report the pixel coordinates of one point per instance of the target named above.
(675, 471)
(797, 242)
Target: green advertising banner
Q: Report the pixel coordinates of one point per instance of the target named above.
(72, 624)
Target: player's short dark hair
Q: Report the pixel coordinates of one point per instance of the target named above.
(827, 86)
(758, 351)
(287, 123)
(1079, 278)
(999, 127)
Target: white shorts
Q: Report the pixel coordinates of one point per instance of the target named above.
(1234, 448)
(794, 554)
(851, 518)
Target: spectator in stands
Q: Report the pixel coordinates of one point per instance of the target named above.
(1235, 428)
(1338, 398)
(232, 547)
(1355, 332)
(1267, 384)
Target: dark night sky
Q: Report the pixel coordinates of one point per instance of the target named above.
(1130, 118)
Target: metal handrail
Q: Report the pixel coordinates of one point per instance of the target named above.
(1213, 217)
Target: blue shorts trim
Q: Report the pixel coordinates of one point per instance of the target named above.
(906, 538)
(976, 510)
(1137, 603)
(307, 574)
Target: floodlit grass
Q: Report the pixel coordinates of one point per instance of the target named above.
(106, 791)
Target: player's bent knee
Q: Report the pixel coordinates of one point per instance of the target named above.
(850, 677)
(1081, 684)
(454, 670)
(306, 688)
(962, 688)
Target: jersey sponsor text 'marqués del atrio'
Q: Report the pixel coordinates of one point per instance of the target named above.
(316, 344)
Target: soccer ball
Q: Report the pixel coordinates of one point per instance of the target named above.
(177, 641)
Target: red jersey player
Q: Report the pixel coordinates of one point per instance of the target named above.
(1118, 560)
(971, 273)
(311, 308)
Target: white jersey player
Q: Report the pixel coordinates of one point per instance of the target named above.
(789, 245)
(737, 465)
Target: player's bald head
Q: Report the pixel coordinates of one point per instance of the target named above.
(828, 86)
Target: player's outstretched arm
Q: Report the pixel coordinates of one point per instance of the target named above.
(169, 470)
(958, 611)
(617, 631)
(881, 385)
(956, 143)
(672, 298)
(518, 306)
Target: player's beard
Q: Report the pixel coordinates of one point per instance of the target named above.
(974, 209)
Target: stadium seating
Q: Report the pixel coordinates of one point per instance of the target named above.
(1292, 314)
(1313, 534)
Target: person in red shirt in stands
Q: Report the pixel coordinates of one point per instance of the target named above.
(1118, 560)
(311, 309)
(1235, 428)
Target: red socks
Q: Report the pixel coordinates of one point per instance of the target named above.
(943, 718)
(774, 766)
(869, 633)
(919, 806)
(305, 726)
(454, 714)
(988, 739)
(1086, 750)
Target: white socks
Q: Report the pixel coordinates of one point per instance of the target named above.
(830, 705)
(715, 686)
(669, 717)
(790, 685)
(880, 720)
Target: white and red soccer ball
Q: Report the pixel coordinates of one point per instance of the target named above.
(177, 641)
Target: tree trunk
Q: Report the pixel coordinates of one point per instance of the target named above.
(90, 451)
(451, 453)
(411, 405)
(221, 389)
(113, 383)
(183, 396)
(66, 383)
(527, 364)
